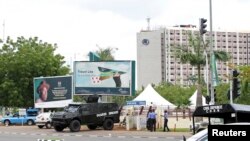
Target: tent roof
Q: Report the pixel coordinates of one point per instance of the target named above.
(150, 95)
(193, 99)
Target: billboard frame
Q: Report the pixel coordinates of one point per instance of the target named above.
(104, 90)
(56, 103)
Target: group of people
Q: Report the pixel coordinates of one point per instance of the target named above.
(151, 120)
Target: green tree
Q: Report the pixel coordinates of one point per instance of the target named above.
(194, 55)
(20, 62)
(244, 77)
(106, 54)
(176, 94)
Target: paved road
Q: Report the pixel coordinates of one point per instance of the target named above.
(32, 133)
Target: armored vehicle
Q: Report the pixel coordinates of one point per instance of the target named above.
(92, 114)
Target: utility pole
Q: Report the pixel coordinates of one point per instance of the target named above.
(211, 53)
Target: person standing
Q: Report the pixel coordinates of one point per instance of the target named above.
(165, 121)
(152, 120)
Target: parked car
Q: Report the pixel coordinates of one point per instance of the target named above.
(28, 117)
(199, 126)
(44, 119)
(203, 134)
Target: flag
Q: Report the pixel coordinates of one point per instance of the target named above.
(215, 80)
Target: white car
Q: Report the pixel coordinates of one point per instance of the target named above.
(203, 134)
(44, 119)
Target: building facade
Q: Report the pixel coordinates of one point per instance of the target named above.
(156, 62)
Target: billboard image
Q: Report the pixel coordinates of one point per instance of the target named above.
(52, 92)
(103, 78)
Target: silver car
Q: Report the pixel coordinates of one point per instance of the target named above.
(203, 135)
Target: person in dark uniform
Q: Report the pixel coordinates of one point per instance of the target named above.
(152, 120)
(165, 121)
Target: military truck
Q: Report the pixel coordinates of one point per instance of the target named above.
(92, 114)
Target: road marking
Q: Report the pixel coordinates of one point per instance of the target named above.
(93, 136)
(137, 137)
(121, 136)
(153, 137)
(66, 135)
(78, 135)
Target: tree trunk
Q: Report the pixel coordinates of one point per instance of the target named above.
(198, 101)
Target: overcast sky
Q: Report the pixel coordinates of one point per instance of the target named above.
(79, 26)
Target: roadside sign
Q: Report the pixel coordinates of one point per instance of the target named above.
(135, 102)
(22, 112)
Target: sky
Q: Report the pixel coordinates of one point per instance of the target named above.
(81, 26)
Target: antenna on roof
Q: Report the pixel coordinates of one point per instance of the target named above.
(148, 20)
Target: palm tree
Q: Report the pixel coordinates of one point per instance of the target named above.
(106, 54)
(194, 55)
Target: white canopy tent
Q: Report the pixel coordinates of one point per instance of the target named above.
(151, 96)
(193, 100)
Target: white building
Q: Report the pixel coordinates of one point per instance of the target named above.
(156, 63)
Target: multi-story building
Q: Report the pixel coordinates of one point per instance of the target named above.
(156, 62)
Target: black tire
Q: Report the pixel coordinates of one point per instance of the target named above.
(108, 124)
(40, 126)
(30, 122)
(48, 125)
(74, 126)
(6, 122)
(92, 126)
(58, 128)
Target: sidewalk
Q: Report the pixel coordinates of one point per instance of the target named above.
(145, 133)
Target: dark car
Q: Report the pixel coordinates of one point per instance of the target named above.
(91, 114)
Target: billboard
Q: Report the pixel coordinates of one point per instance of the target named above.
(52, 92)
(104, 78)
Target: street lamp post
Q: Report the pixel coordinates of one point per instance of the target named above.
(211, 53)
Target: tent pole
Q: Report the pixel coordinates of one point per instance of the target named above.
(193, 126)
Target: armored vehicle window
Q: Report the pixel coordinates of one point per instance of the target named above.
(112, 106)
(72, 108)
(103, 107)
(85, 109)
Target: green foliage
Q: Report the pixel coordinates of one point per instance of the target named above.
(244, 77)
(176, 94)
(20, 62)
(221, 93)
(105, 54)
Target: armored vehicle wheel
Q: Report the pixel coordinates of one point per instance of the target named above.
(108, 124)
(75, 126)
(92, 126)
(58, 128)
(30, 122)
(48, 125)
(40, 126)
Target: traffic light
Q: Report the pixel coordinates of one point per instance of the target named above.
(236, 84)
(208, 99)
(203, 26)
(215, 97)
